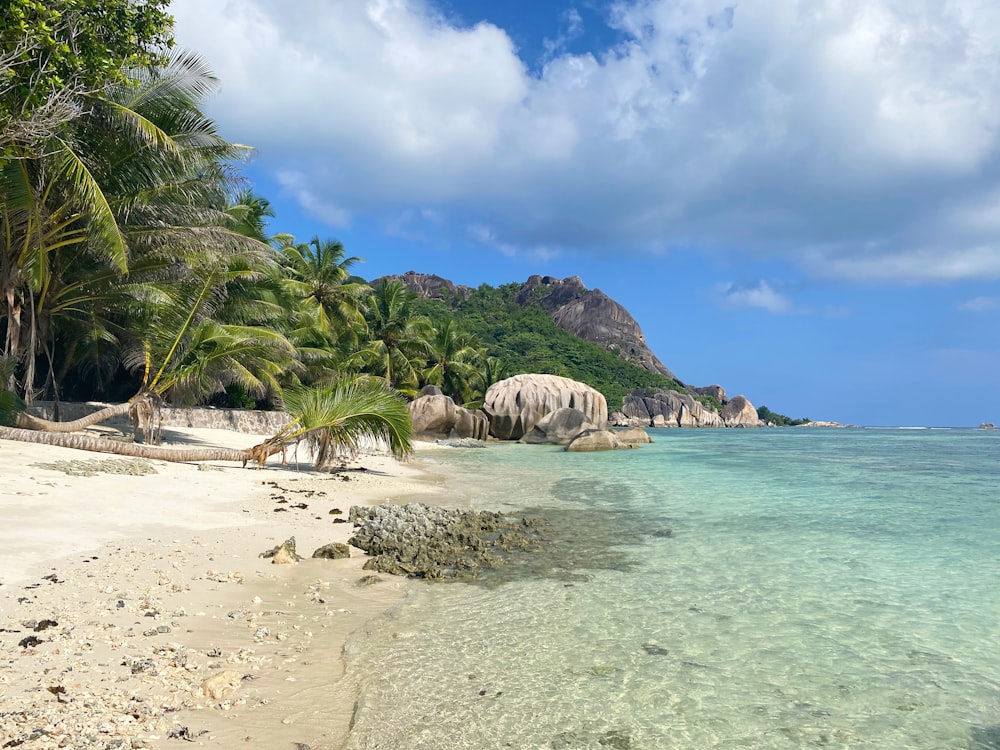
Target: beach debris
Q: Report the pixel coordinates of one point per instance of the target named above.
(218, 686)
(183, 733)
(30, 642)
(335, 512)
(44, 625)
(284, 553)
(333, 551)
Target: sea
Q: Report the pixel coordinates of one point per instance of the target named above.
(773, 588)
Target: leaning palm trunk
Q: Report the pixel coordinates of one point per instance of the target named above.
(151, 452)
(28, 422)
(143, 410)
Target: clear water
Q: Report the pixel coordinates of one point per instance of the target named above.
(820, 588)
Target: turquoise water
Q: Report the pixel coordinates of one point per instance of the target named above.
(757, 589)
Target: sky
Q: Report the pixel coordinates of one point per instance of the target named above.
(798, 200)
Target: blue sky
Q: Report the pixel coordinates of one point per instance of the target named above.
(798, 201)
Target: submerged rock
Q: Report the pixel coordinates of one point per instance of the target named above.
(589, 441)
(634, 436)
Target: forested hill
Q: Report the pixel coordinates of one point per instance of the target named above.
(517, 323)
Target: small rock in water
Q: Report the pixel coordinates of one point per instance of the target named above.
(653, 650)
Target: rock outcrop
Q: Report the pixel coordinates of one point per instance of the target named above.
(436, 417)
(715, 391)
(598, 318)
(558, 427)
(428, 286)
(517, 404)
(673, 409)
(739, 412)
(668, 409)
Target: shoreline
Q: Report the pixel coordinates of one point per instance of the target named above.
(135, 609)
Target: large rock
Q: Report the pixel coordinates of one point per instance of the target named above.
(634, 436)
(596, 317)
(436, 417)
(739, 412)
(596, 440)
(668, 409)
(558, 427)
(517, 404)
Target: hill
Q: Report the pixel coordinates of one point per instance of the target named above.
(552, 326)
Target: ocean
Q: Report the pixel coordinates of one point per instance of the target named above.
(780, 588)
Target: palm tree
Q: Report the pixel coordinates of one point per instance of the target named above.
(135, 183)
(317, 275)
(397, 337)
(452, 356)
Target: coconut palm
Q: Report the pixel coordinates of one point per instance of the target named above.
(397, 337)
(452, 360)
(161, 169)
(330, 301)
(136, 184)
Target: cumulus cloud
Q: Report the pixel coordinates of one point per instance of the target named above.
(760, 295)
(855, 138)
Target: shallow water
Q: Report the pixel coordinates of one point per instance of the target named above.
(765, 589)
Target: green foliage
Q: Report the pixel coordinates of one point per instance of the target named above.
(780, 419)
(527, 340)
(345, 415)
(76, 45)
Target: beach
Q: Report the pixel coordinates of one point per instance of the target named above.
(136, 610)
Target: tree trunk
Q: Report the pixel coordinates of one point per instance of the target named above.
(151, 452)
(27, 422)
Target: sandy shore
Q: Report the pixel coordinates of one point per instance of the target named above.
(135, 610)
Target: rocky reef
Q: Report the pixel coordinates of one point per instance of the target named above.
(420, 541)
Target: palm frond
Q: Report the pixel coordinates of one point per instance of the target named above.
(346, 415)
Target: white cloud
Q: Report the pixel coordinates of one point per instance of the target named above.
(981, 304)
(760, 295)
(865, 131)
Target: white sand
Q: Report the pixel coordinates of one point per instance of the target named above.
(156, 585)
